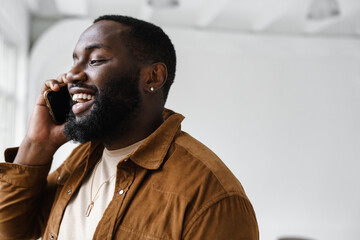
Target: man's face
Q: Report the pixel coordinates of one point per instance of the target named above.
(104, 84)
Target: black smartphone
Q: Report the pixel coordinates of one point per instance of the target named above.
(58, 103)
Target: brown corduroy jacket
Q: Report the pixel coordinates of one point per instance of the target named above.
(172, 187)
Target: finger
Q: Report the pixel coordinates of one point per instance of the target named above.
(51, 84)
(64, 79)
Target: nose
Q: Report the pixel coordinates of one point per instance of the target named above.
(76, 74)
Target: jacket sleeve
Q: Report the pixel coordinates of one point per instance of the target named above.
(231, 218)
(26, 197)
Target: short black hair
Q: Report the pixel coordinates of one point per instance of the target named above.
(149, 43)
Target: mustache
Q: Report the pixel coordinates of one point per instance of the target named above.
(82, 85)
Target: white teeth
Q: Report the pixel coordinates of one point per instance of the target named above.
(81, 97)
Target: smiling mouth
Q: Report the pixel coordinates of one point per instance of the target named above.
(83, 103)
(82, 97)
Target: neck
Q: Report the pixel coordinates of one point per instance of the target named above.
(138, 130)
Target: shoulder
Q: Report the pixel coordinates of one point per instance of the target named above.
(200, 165)
(198, 176)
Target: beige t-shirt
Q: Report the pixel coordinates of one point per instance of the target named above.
(75, 225)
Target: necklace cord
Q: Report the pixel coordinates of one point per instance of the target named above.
(92, 200)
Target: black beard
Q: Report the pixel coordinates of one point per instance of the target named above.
(113, 111)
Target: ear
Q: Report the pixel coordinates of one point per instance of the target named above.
(156, 77)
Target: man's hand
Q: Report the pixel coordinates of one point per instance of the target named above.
(43, 137)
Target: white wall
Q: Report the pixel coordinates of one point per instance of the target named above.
(14, 20)
(282, 112)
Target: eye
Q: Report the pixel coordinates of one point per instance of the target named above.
(96, 61)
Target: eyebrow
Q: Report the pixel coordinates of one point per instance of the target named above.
(93, 46)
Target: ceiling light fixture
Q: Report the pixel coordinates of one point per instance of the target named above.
(323, 9)
(163, 3)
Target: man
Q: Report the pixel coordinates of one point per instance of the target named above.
(136, 175)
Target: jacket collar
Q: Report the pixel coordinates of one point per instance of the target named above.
(151, 153)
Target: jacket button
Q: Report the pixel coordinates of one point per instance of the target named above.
(121, 192)
(69, 192)
(52, 236)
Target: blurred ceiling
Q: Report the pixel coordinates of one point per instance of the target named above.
(300, 17)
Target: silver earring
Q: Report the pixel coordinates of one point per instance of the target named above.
(152, 89)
